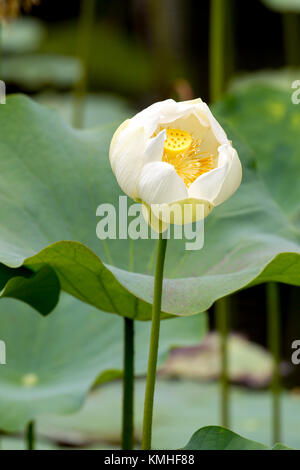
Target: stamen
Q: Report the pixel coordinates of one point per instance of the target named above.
(183, 152)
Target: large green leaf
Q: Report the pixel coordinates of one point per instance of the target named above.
(53, 178)
(268, 120)
(275, 78)
(52, 362)
(99, 109)
(41, 289)
(283, 5)
(218, 438)
(180, 408)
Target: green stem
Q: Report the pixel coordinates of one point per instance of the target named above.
(154, 340)
(85, 29)
(128, 386)
(291, 38)
(162, 44)
(222, 322)
(30, 438)
(273, 312)
(217, 50)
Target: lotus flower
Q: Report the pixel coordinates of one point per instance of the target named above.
(172, 157)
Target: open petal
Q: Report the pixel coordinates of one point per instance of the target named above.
(115, 139)
(127, 160)
(153, 115)
(159, 183)
(170, 113)
(155, 148)
(219, 184)
(216, 129)
(208, 185)
(233, 178)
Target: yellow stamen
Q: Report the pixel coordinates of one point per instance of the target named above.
(183, 152)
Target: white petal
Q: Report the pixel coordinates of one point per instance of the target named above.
(216, 128)
(159, 183)
(115, 138)
(170, 113)
(208, 185)
(155, 114)
(232, 181)
(155, 148)
(127, 159)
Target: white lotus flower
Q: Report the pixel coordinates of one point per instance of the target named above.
(175, 155)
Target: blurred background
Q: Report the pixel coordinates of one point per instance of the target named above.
(102, 60)
(142, 50)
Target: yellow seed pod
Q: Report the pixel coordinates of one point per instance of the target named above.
(177, 141)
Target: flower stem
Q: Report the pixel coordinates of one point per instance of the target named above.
(222, 317)
(128, 386)
(291, 38)
(217, 52)
(85, 28)
(30, 437)
(154, 340)
(273, 312)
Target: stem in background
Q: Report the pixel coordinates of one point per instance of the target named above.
(291, 38)
(30, 437)
(163, 47)
(217, 48)
(154, 340)
(221, 42)
(231, 55)
(128, 386)
(222, 321)
(273, 312)
(85, 29)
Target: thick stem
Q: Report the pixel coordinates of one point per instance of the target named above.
(217, 52)
(154, 340)
(30, 437)
(85, 29)
(291, 38)
(273, 312)
(222, 321)
(128, 386)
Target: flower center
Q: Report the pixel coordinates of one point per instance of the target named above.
(183, 152)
